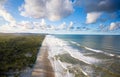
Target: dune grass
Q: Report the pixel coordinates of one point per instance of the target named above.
(18, 51)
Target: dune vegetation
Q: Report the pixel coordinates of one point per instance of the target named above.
(18, 51)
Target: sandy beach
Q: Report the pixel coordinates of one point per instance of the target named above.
(43, 67)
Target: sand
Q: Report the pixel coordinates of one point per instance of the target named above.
(43, 67)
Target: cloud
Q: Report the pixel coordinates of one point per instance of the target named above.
(7, 16)
(2, 2)
(52, 27)
(99, 5)
(70, 25)
(92, 17)
(19, 27)
(43, 23)
(50, 9)
(26, 25)
(114, 26)
(62, 26)
(101, 26)
(33, 25)
(40, 25)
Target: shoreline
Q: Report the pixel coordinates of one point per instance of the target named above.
(43, 67)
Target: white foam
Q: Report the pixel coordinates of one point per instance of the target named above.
(58, 46)
(75, 43)
(118, 56)
(93, 50)
(111, 54)
(55, 47)
(61, 69)
(99, 51)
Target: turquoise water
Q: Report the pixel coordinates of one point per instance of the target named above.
(106, 43)
(103, 51)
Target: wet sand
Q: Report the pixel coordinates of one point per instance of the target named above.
(43, 67)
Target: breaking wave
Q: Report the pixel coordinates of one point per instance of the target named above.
(68, 61)
(95, 50)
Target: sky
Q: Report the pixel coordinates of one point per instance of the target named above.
(60, 16)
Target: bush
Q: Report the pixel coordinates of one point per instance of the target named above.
(13, 50)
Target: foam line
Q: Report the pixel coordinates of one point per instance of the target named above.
(54, 48)
(99, 51)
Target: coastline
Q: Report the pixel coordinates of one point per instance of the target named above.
(43, 67)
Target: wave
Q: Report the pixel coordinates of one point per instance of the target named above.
(95, 50)
(75, 53)
(56, 47)
(75, 43)
(99, 51)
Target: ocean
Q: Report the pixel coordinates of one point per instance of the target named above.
(106, 43)
(88, 55)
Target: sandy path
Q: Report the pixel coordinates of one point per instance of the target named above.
(43, 67)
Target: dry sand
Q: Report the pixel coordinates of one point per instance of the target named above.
(43, 67)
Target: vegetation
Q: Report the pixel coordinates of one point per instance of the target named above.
(18, 51)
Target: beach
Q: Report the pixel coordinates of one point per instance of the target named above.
(43, 66)
(62, 56)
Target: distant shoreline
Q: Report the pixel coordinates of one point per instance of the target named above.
(64, 33)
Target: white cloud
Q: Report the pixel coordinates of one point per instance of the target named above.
(40, 25)
(114, 25)
(6, 28)
(7, 16)
(33, 8)
(101, 26)
(26, 25)
(9, 20)
(33, 25)
(19, 27)
(43, 23)
(70, 25)
(92, 17)
(52, 27)
(2, 2)
(62, 26)
(50, 9)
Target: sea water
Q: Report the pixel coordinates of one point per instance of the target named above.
(85, 55)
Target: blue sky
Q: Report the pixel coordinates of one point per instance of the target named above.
(60, 16)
